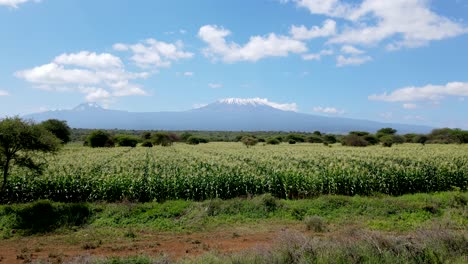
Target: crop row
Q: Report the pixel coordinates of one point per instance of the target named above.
(226, 170)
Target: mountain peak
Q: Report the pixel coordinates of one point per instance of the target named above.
(257, 102)
(87, 106)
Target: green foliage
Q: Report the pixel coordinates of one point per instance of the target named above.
(273, 141)
(354, 140)
(331, 139)
(386, 131)
(292, 141)
(421, 139)
(359, 133)
(185, 136)
(295, 137)
(387, 140)
(314, 139)
(226, 170)
(100, 139)
(163, 139)
(126, 141)
(146, 135)
(249, 141)
(20, 141)
(44, 216)
(59, 128)
(147, 143)
(371, 139)
(196, 140)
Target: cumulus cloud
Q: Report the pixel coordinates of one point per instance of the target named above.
(425, 93)
(89, 60)
(98, 76)
(188, 74)
(411, 23)
(154, 53)
(328, 110)
(348, 49)
(317, 56)
(215, 85)
(353, 60)
(4, 93)
(15, 3)
(258, 47)
(302, 33)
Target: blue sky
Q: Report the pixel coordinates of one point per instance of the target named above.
(388, 60)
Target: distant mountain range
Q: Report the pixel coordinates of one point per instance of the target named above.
(224, 115)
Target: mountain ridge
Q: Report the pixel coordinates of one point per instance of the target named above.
(230, 114)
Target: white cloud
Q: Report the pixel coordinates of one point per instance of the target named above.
(348, 49)
(328, 110)
(4, 93)
(302, 33)
(429, 92)
(257, 48)
(260, 101)
(332, 8)
(15, 3)
(411, 23)
(89, 60)
(188, 74)
(215, 85)
(317, 56)
(98, 76)
(154, 53)
(353, 60)
(410, 106)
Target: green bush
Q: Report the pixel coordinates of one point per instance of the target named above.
(273, 141)
(354, 140)
(126, 141)
(147, 143)
(99, 139)
(44, 216)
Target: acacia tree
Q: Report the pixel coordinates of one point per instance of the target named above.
(59, 128)
(20, 141)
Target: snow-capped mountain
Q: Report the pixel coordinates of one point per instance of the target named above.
(231, 114)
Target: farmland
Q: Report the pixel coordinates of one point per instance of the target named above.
(228, 170)
(226, 203)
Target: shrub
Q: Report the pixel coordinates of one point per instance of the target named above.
(99, 139)
(387, 141)
(371, 139)
(126, 141)
(295, 137)
(44, 216)
(249, 141)
(315, 223)
(147, 143)
(163, 139)
(59, 128)
(314, 139)
(273, 141)
(292, 141)
(331, 139)
(354, 140)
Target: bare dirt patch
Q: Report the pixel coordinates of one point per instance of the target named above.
(57, 248)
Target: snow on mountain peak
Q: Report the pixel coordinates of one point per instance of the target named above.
(258, 102)
(87, 106)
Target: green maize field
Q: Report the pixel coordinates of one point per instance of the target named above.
(227, 170)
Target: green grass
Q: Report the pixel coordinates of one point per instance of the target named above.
(407, 212)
